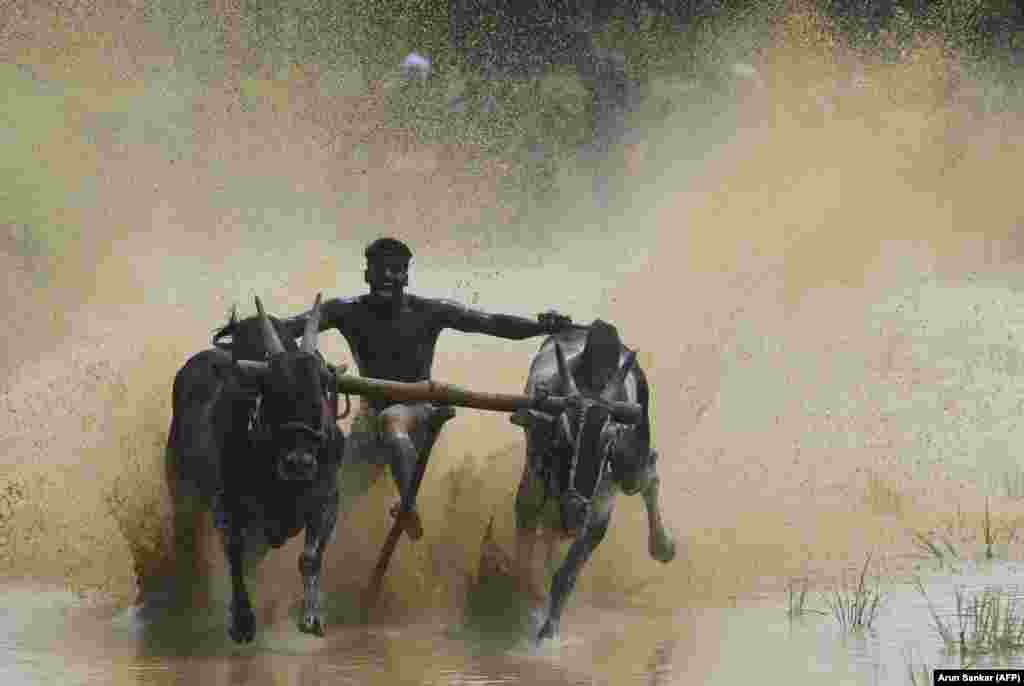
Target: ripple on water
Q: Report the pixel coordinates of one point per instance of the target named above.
(597, 646)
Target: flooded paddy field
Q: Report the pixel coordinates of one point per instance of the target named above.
(98, 645)
(820, 268)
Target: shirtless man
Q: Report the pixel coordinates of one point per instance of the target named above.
(392, 335)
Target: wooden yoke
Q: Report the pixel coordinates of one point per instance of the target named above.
(447, 394)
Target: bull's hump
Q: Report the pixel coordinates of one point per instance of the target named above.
(571, 340)
(544, 368)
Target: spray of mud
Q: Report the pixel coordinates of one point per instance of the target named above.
(819, 282)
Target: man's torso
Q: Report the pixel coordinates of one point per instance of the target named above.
(393, 344)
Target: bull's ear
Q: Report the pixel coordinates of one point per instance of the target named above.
(521, 418)
(252, 370)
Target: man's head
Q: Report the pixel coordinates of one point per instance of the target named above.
(387, 267)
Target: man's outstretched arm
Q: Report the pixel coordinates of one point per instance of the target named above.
(332, 316)
(461, 318)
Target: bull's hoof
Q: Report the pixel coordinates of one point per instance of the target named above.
(243, 626)
(547, 632)
(662, 549)
(313, 625)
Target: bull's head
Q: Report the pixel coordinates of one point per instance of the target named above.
(294, 411)
(584, 434)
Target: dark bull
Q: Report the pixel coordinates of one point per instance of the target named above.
(579, 457)
(256, 442)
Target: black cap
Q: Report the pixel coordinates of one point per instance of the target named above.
(387, 247)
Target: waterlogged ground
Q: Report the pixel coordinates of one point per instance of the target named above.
(49, 636)
(822, 276)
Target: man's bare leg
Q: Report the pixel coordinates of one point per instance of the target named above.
(398, 426)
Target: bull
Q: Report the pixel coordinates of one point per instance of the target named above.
(255, 441)
(578, 459)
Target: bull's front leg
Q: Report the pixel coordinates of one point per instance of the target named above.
(242, 621)
(529, 503)
(564, 581)
(319, 530)
(659, 539)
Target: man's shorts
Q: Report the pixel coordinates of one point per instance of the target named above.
(365, 442)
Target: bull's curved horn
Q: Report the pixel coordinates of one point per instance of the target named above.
(619, 376)
(270, 338)
(563, 371)
(312, 328)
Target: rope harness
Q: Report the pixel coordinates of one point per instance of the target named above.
(570, 499)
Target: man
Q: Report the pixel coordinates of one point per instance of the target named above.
(392, 335)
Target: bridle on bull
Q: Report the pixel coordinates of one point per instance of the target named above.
(274, 346)
(579, 407)
(257, 425)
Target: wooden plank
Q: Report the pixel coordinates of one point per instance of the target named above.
(448, 394)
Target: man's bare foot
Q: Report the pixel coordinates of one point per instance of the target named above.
(410, 521)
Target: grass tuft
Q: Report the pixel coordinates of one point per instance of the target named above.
(943, 551)
(856, 607)
(918, 674)
(1013, 484)
(989, 622)
(796, 598)
(987, 532)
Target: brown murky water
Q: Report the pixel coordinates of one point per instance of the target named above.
(50, 636)
(823, 279)
(96, 649)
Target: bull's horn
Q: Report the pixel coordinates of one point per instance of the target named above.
(619, 376)
(563, 371)
(312, 328)
(270, 338)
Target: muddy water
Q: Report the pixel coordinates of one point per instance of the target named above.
(822, 279)
(50, 636)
